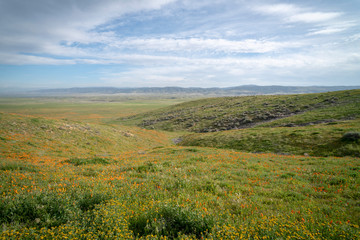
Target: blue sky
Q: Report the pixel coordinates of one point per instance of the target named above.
(203, 43)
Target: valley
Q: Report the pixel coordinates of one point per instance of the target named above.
(135, 167)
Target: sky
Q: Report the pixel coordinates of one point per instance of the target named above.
(186, 43)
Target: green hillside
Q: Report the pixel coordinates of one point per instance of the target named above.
(287, 124)
(34, 136)
(227, 113)
(326, 139)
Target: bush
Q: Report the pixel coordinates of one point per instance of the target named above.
(351, 137)
(89, 201)
(170, 221)
(148, 167)
(43, 210)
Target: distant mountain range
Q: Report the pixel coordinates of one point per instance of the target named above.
(229, 91)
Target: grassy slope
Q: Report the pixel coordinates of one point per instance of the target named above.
(317, 140)
(33, 136)
(292, 124)
(217, 114)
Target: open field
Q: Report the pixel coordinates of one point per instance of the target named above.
(70, 176)
(94, 109)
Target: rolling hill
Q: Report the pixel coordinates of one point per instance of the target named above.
(227, 113)
(291, 124)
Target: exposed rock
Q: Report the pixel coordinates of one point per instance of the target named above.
(127, 134)
(176, 140)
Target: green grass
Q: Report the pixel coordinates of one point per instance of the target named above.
(170, 220)
(10, 165)
(85, 161)
(26, 136)
(286, 124)
(185, 193)
(64, 179)
(317, 140)
(226, 113)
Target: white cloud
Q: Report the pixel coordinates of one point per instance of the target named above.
(204, 45)
(329, 30)
(314, 17)
(209, 72)
(323, 23)
(293, 13)
(277, 9)
(27, 26)
(334, 27)
(208, 43)
(21, 59)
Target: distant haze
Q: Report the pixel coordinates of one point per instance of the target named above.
(230, 91)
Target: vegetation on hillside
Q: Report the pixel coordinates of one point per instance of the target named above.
(324, 139)
(227, 113)
(25, 136)
(286, 124)
(65, 179)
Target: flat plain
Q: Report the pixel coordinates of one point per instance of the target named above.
(86, 168)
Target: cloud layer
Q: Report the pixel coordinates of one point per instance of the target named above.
(179, 42)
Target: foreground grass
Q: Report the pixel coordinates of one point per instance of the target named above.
(181, 193)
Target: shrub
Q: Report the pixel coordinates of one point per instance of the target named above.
(89, 201)
(148, 167)
(337, 181)
(43, 210)
(351, 137)
(170, 220)
(348, 150)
